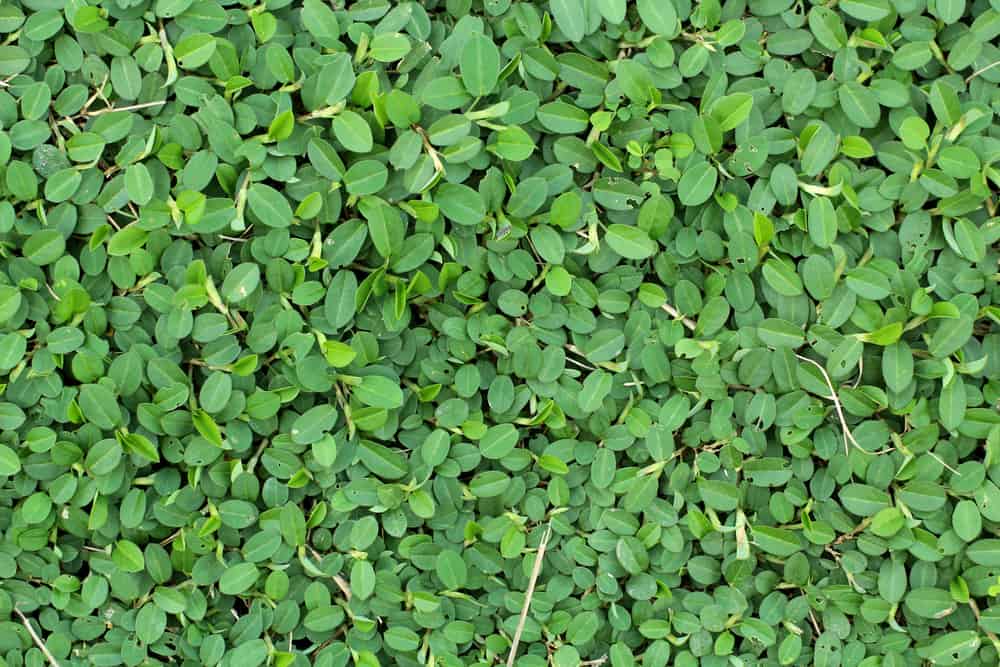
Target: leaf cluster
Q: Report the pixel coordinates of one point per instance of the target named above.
(478, 332)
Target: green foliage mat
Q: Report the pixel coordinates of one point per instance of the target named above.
(485, 332)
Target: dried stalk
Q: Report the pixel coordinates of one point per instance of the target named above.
(673, 312)
(38, 640)
(535, 571)
(343, 586)
(982, 70)
(133, 107)
(431, 151)
(848, 436)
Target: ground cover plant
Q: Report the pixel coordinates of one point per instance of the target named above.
(497, 332)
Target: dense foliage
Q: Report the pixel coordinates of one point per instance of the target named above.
(473, 332)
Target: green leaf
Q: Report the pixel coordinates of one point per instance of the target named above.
(776, 541)
(460, 204)
(697, 184)
(867, 10)
(562, 118)
(207, 427)
(10, 464)
(126, 240)
(382, 461)
(353, 132)
(127, 557)
(282, 125)
(953, 648)
(269, 206)
(827, 27)
(389, 47)
(731, 111)
(859, 104)
(194, 50)
(336, 78)
(480, 65)
(141, 446)
(238, 579)
(44, 247)
(379, 392)
(100, 406)
(929, 602)
(630, 242)
(385, 226)
(984, 552)
(339, 306)
(498, 441)
(780, 333)
(10, 302)
(569, 15)
(822, 222)
(241, 282)
(820, 150)
(320, 20)
(513, 143)
(950, 336)
(782, 277)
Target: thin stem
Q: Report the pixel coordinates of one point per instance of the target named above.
(343, 586)
(535, 571)
(848, 436)
(97, 93)
(252, 463)
(815, 623)
(431, 151)
(981, 70)
(673, 312)
(134, 107)
(35, 638)
(941, 461)
(993, 637)
(857, 530)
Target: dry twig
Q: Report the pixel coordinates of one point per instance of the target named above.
(857, 530)
(848, 436)
(535, 571)
(941, 461)
(815, 623)
(982, 70)
(133, 107)
(343, 586)
(35, 638)
(992, 635)
(673, 312)
(431, 151)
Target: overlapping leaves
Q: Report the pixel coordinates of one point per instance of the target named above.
(351, 333)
